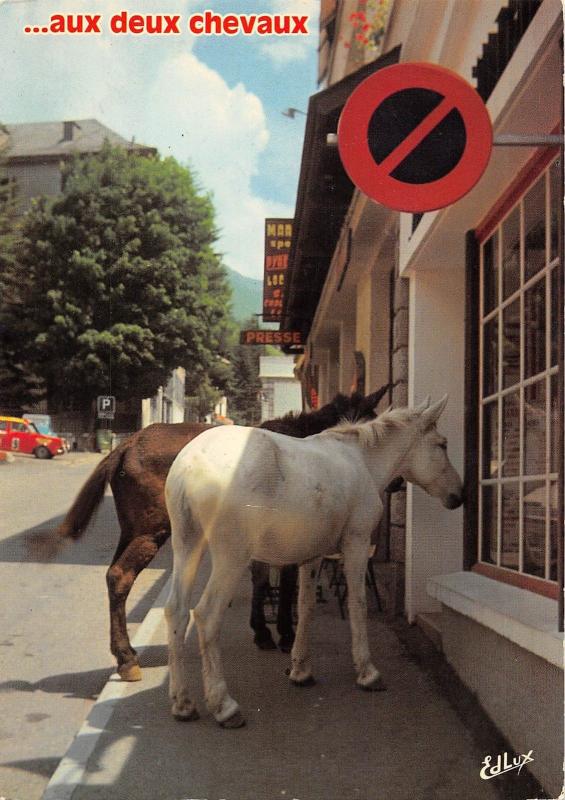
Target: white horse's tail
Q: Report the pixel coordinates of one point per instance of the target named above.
(189, 574)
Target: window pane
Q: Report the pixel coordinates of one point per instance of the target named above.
(510, 525)
(490, 357)
(534, 319)
(511, 344)
(556, 190)
(511, 434)
(511, 252)
(534, 528)
(490, 273)
(490, 440)
(555, 530)
(556, 424)
(555, 316)
(489, 523)
(534, 428)
(534, 229)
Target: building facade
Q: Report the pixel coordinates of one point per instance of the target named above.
(466, 300)
(34, 152)
(281, 392)
(168, 404)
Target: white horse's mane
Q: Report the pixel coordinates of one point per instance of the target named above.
(370, 433)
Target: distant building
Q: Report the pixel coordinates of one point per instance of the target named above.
(168, 404)
(281, 392)
(34, 152)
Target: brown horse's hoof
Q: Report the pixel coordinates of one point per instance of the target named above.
(236, 720)
(264, 641)
(130, 672)
(285, 644)
(378, 685)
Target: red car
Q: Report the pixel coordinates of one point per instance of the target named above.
(19, 435)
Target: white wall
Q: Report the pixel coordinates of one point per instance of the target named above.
(434, 535)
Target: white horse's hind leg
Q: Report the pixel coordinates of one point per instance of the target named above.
(177, 614)
(301, 673)
(208, 615)
(355, 564)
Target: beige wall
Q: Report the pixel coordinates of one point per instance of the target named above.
(434, 535)
(521, 693)
(34, 180)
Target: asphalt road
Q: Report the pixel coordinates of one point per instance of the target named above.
(54, 651)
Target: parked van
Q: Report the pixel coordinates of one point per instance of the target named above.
(19, 435)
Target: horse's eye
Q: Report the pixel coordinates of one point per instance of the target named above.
(443, 445)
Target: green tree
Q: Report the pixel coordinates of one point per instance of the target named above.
(17, 384)
(122, 284)
(244, 395)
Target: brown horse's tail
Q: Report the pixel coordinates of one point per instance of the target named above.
(90, 496)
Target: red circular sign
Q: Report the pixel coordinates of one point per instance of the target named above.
(415, 137)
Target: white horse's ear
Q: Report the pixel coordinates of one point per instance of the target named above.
(433, 413)
(423, 406)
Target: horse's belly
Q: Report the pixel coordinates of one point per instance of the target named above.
(277, 542)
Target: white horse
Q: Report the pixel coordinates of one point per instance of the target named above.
(247, 493)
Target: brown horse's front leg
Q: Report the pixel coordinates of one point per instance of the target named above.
(287, 590)
(127, 563)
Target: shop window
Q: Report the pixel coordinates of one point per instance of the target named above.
(519, 419)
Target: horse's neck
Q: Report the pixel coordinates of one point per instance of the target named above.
(386, 459)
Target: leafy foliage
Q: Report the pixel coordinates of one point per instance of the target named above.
(17, 384)
(244, 395)
(121, 282)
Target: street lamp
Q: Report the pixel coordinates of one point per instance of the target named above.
(292, 112)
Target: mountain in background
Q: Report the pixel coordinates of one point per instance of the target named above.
(247, 295)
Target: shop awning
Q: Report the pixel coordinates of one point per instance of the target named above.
(324, 195)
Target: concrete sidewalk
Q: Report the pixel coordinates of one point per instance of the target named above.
(327, 742)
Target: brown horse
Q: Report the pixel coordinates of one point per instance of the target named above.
(136, 470)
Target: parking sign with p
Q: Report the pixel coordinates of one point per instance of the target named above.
(106, 406)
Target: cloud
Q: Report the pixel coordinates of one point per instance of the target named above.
(221, 131)
(285, 49)
(156, 89)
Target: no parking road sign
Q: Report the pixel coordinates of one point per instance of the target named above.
(415, 137)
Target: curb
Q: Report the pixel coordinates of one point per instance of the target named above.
(72, 766)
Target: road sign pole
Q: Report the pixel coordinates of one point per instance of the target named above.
(504, 140)
(527, 140)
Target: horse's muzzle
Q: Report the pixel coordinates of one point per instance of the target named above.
(453, 500)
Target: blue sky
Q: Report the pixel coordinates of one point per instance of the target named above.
(212, 102)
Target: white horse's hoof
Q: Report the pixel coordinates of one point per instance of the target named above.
(308, 680)
(236, 720)
(376, 685)
(186, 713)
(228, 714)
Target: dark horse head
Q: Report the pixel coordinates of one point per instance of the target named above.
(354, 408)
